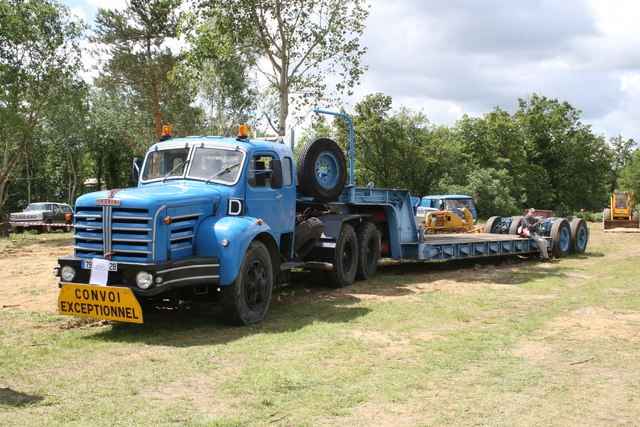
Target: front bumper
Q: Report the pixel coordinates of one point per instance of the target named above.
(167, 275)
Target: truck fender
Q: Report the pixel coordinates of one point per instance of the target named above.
(237, 233)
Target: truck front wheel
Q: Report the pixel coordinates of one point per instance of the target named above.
(246, 300)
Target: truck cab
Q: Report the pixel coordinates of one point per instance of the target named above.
(201, 205)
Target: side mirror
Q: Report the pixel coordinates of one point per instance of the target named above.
(276, 174)
(135, 172)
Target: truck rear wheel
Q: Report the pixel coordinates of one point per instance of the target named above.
(579, 235)
(322, 170)
(368, 250)
(246, 300)
(346, 259)
(561, 238)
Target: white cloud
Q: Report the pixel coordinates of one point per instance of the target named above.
(462, 57)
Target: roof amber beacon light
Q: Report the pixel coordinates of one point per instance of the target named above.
(242, 132)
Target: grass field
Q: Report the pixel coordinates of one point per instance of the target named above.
(511, 342)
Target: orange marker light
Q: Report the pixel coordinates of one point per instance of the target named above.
(242, 131)
(166, 130)
(167, 220)
(260, 221)
(68, 217)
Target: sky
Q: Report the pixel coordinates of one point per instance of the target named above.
(448, 58)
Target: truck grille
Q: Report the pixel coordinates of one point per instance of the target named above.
(128, 233)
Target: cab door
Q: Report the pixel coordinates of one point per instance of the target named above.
(270, 192)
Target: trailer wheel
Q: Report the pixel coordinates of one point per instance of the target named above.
(491, 223)
(516, 221)
(561, 238)
(322, 170)
(346, 259)
(368, 250)
(308, 233)
(579, 235)
(606, 215)
(246, 300)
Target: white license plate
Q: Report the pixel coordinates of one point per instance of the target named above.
(86, 264)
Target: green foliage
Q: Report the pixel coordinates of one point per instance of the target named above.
(589, 216)
(629, 174)
(39, 55)
(139, 68)
(294, 45)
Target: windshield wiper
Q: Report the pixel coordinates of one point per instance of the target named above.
(222, 172)
(174, 169)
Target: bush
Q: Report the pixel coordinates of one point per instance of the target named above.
(589, 216)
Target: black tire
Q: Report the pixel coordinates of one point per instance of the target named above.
(606, 215)
(17, 230)
(246, 300)
(47, 228)
(634, 215)
(321, 170)
(308, 233)
(368, 239)
(561, 238)
(67, 228)
(491, 223)
(346, 259)
(516, 221)
(579, 235)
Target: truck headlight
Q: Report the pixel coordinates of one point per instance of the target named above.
(68, 273)
(144, 280)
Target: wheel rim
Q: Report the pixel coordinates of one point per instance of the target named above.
(370, 253)
(326, 170)
(255, 284)
(565, 239)
(348, 258)
(582, 238)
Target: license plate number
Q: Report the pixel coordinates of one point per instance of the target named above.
(99, 302)
(86, 264)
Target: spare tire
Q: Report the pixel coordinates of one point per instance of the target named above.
(321, 170)
(307, 235)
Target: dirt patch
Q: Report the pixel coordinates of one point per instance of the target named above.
(27, 282)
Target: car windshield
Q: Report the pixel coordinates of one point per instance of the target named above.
(165, 164)
(39, 207)
(216, 165)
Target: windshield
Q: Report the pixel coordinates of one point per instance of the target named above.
(216, 165)
(451, 204)
(38, 207)
(165, 164)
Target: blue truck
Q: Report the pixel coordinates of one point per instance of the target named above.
(227, 219)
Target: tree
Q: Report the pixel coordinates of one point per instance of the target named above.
(294, 45)
(38, 52)
(572, 165)
(139, 65)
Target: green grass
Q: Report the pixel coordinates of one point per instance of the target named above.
(499, 344)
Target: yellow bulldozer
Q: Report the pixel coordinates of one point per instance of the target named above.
(448, 222)
(620, 213)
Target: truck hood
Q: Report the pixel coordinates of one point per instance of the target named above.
(151, 197)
